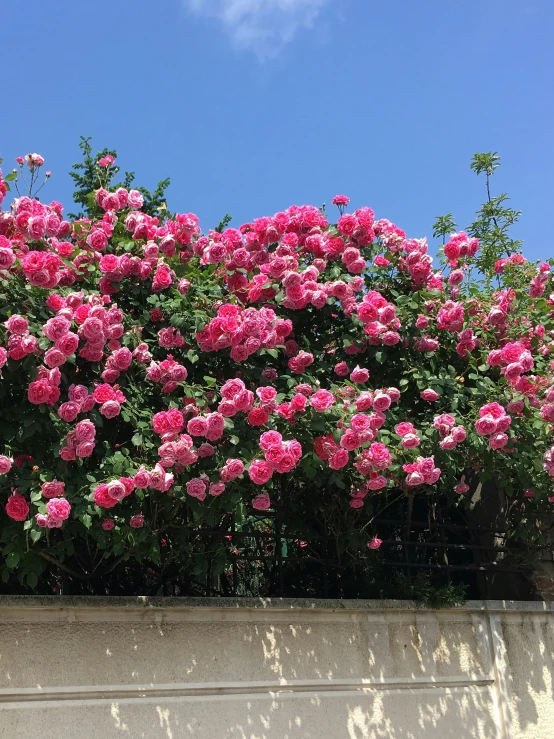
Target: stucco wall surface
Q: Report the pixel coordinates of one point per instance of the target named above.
(133, 668)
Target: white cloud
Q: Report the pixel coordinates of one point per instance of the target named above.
(263, 26)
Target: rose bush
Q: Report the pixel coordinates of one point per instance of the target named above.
(156, 379)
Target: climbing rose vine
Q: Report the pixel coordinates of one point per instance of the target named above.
(156, 378)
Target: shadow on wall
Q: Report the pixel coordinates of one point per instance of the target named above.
(246, 675)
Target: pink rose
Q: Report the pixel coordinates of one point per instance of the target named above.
(447, 443)
(404, 428)
(231, 388)
(360, 422)
(197, 426)
(84, 449)
(377, 483)
(136, 521)
(16, 324)
(196, 488)
(261, 502)
(175, 419)
(270, 438)
(413, 479)
(504, 422)
(53, 489)
(233, 468)
(183, 286)
(206, 450)
(429, 395)
(69, 411)
(359, 375)
(117, 490)
(492, 409)
(142, 479)
(102, 497)
(85, 430)
(381, 401)
(498, 441)
(108, 524)
(260, 472)
(135, 199)
(410, 441)
(110, 409)
(485, 425)
(56, 328)
(322, 400)
(67, 344)
(39, 392)
(266, 394)
(375, 543)
(350, 440)
(341, 369)
(339, 459)
(17, 507)
(5, 464)
(459, 434)
(461, 487)
(380, 456)
(58, 509)
(364, 401)
(103, 393)
(216, 488)
(258, 417)
(216, 426)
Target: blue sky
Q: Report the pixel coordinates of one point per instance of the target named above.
(253, 105)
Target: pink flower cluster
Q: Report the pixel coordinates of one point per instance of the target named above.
(57, 511)
(46, 388)
(279, 456)
(20, 341)
(379, 317)
(451, 435)
(168, 424)
(168, 372)
(110, 399)
(409, 438)
(460, 245)
(423, 471)
(514, 359)
(79, 442)
(235, 399)
(245, 330)
(108, 494)
(493, 421)
(179, 452)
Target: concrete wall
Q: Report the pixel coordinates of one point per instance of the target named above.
(166, 669)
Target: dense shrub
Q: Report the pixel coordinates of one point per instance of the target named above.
(156, 380)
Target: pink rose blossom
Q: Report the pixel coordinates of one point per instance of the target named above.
(261, 502)
(429, 395)
(5, 464)
(375, 543)
(17, 507)
(58, 509)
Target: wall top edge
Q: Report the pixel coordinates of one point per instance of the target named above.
(141, 603)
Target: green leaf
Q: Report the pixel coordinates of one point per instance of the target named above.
(12, 560)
